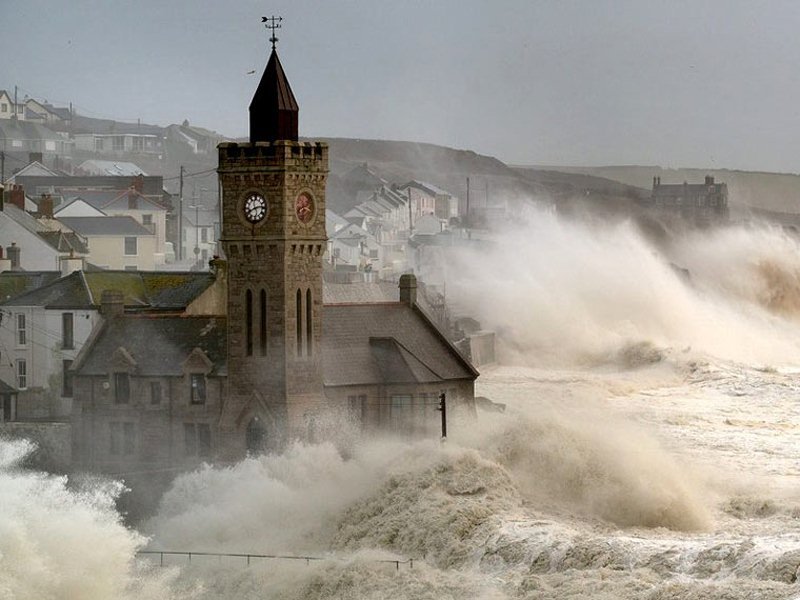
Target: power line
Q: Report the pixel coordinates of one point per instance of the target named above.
(185, 175)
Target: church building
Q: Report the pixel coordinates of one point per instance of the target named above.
(257, 360)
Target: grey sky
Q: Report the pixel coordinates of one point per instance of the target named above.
(706, 84)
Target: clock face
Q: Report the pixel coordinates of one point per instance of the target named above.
(255, 208)
(304, 208)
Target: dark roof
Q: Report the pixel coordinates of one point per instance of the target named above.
(14, 283)
(6, 389)
(105, 226)
(690, 189)
(273, 110)
(158, 345)
(65, 241)
(142, 290)
(364, 343)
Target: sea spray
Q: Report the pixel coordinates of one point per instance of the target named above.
(57, 542)
(561, 292)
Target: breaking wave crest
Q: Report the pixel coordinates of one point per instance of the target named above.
(561, 292)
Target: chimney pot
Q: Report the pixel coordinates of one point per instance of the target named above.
(13, 253)
(408, 289)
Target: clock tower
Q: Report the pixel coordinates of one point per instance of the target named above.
(273, 235)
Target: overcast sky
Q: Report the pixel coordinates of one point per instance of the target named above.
(592, 82)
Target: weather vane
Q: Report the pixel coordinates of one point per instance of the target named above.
(272, 23)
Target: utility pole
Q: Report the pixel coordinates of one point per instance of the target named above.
(180, 218)
(410, 216)
(2, 167)
(443, 409)
(469, 231)
(14, 112)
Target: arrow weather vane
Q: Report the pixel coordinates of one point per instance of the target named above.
(272, 23)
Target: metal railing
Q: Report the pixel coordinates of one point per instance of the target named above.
(220, 555)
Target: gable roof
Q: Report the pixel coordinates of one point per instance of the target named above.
(142, 290)
(352, 354)
(431, 189)
(33, 168)
(158, 345)
(110, 167)
(65, 241)
(87, 226)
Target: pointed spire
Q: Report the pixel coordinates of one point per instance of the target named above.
(273, 110)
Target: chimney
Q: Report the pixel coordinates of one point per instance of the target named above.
(12, 253)
(408, 289)
(5, 263)
(71, 263)
(17, 196)
(46, 206)
(35, 156)
(138, 183)
(709, 180)
(112, 304)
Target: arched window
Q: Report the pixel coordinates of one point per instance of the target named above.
(262, 322)
(309, 326)
(256, 436)
(299, 319)
(248, 308)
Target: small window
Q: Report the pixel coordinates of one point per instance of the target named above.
(204, 234)
(147, 220)
(131, 248)
(122, 388)
(22, 330)
(67, 331)
(4, 108)
(22, 374)
(66, 379)
(198, 392)
(155, 392)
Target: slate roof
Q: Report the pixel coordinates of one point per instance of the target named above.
(110, 167)
(424, 185)
(101, 199)
(6, 389)
(65, 241)
(359, 292)
(142, 290)
(355, 350)
(158, 345)
(14, 283)
(87, 226)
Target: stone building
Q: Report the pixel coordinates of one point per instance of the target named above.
(699, 203)
(264, 361)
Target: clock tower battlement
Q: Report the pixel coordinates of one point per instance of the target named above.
(273, 236)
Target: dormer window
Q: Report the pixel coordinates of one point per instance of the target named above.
(198, 388)
(122, 388)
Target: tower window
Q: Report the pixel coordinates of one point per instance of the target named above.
(299, 319)
(309, 327)
(248, 309)
(262, 322)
